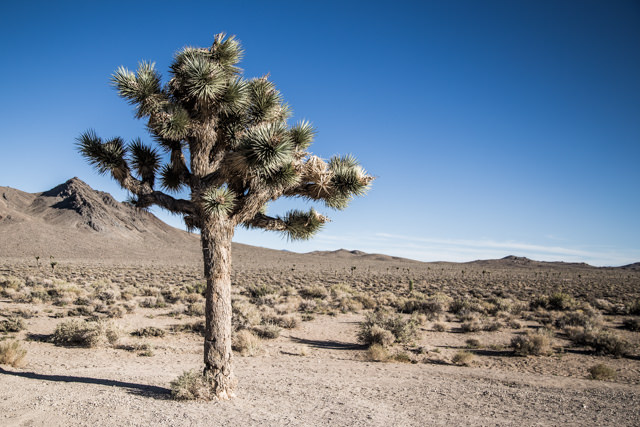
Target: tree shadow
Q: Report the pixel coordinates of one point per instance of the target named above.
(132, 388)
(329, 345)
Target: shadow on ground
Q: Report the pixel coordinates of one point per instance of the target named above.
(133, 388)
(329, 345)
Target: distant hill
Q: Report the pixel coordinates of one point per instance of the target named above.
(74, 221)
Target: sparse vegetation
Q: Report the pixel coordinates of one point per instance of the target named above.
(84, 334)
(535, 344)
(463, 358)
(602, 372)
(12, 354)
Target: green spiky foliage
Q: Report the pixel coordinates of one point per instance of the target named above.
(238, 139)
(225, 143)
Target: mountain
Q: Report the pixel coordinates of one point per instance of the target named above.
(73, 220)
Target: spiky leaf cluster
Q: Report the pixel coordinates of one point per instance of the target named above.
(226, 140)
(218, 202)
(302, 225)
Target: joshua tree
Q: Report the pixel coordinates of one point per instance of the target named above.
(242, 154)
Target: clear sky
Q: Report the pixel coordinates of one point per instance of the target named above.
(494, 127)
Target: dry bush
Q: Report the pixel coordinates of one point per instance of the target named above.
(267, 331)
(588, 318)
(246, 343)
(149, 331)
(472, 325)
(374, 334)
(84, 334)
(492, 326)
(377, 353)
(561, 302)
(634, 308)
(245, 314)
(12, 324)
(463, 358)
(602, 342)
(193, 385)
(631, 324)
(473, 343)
(260, 291)
(402, 357)
(12, 354)
(514, 324)
(439, 327)
(195, 309)
(602, 372)
(402, 330)
(316, 291)
(536, 344)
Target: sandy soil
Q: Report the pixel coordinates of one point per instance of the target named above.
(312, 375)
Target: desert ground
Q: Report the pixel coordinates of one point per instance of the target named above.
(101, 310)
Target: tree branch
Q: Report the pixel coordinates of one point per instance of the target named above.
(266, 223)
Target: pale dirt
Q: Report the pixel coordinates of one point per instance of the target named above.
(313, 375)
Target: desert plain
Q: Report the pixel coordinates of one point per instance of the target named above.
(323, 338)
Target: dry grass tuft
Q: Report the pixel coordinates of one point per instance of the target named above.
(12, 354)
(463, 358)
(246, 343)
(535, 344)
(377, 353)
(602, 372)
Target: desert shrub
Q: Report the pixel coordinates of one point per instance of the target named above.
(561, 301)
(307, 305)
(149, 331)
(195, 328)
(432, 307)
(402, 357)
(632, 324)
(25, 313)
(12, 354)
(195, 309)
(84, 334)
(82, 310)
(193, 385)
(439, 327)
(514, 324)
(268, 331)
(539, 301)
(245, 314)
(153, 302)
(472, 325)
(374, 334)
(634, 308)
(602, 342)
(246, 343)
(473, 343)
(315, 291)
(12, 324)
(402, 330)
(261, 290)
(377, 353)
(83, 301)
(288, 321)
(463, 358)
(367, 301)
(492, 326)
(602, 372)
(196, 288)
(536, 344)
(462, 306)
(586, 319)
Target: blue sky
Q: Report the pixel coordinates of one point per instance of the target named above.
(494, 127)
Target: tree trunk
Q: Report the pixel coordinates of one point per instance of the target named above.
(216, 237)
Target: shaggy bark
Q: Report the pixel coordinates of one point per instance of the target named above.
(216, 248)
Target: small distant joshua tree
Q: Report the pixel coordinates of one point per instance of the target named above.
(53, 263)
(242, 154)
